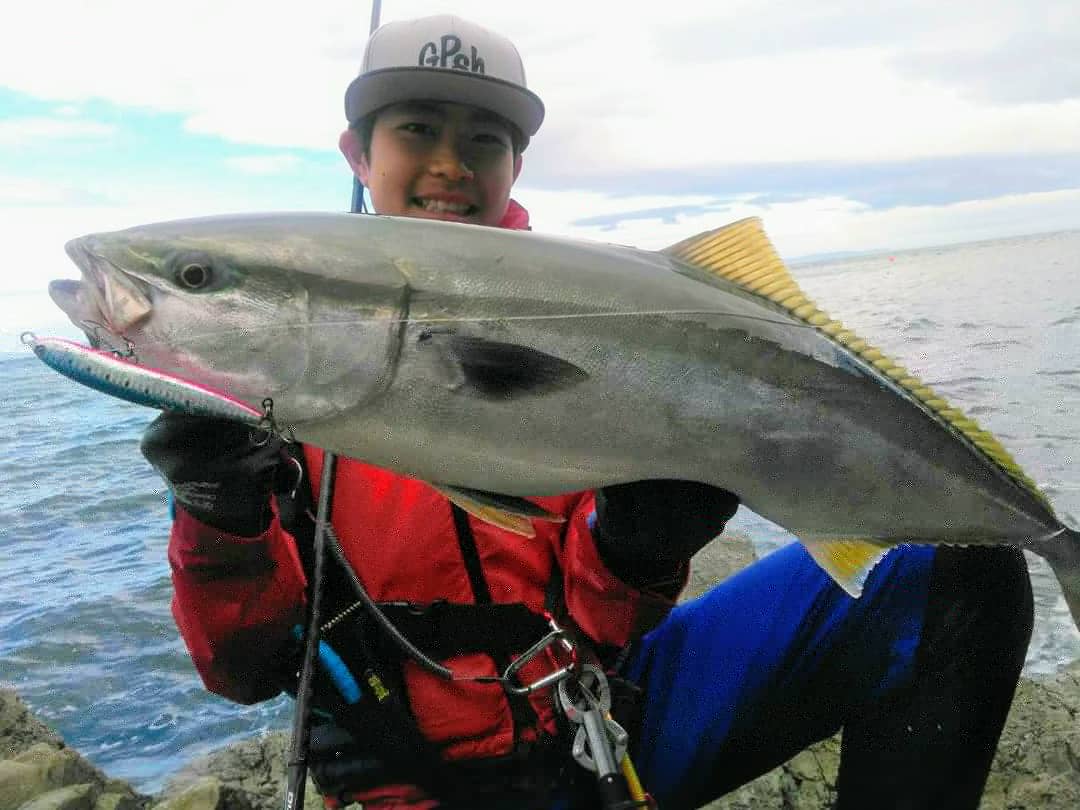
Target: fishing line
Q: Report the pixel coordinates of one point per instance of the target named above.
(479, 319)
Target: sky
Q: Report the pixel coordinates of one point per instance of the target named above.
(847, 126)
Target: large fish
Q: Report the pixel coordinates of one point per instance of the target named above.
(500, 365)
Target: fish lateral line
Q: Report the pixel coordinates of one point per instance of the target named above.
(489, 319)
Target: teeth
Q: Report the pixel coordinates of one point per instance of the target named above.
(440, 206)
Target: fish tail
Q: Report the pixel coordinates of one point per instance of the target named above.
(1062, 552)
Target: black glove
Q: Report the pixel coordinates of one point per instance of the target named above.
(647, 531)
(220, 472)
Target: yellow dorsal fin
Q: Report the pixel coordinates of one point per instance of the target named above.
(742, 254)
(848, 562)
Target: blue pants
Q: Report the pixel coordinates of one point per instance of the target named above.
(769, 661)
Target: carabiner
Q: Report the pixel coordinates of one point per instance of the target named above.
(556, 636)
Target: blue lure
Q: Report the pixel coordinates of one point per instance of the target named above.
(124, 379)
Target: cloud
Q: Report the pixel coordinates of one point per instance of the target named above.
(35, 130)
(667, 214)
(26, 191)
(1033, 67)
(263, 164)
(784, 81)
(876, 184)
(849, 126)
(735, 30)
(815, 225)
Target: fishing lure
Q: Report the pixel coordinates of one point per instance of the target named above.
(115, 375)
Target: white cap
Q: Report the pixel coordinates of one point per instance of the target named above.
(444, 58)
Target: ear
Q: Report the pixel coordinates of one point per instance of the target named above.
(517, 166)
(353, 150)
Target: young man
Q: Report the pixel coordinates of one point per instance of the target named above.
(919, 671)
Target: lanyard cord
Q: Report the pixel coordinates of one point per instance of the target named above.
(415, 653)
(299, 744)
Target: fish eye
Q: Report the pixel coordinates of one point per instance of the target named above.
(194, 275)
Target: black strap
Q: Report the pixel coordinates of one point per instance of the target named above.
(471, 556)
(521, 710)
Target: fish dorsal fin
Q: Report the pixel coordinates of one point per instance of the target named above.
(742, 254)
(848, 562)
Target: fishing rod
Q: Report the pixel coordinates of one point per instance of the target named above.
(359, 205)
(299, 744)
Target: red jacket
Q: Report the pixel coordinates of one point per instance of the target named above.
(236, 599)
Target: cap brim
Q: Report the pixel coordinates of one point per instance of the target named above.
(379, 88)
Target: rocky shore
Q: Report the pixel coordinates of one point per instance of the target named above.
(1037, 762)
(1037, 765)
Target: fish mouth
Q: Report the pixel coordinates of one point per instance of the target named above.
(106, 297)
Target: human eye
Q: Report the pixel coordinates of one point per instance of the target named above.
(492, 138)
(417, 128)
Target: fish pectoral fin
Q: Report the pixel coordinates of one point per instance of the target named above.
(505, 511)
(505, 503)
(848, 562)
(504, 370)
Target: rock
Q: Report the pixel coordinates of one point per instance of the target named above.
(19, 729)
(726, 555)
(39, 771)
(254, 768)
(18, 784)
(806, 782)
(1038, 758)
(122, 789)
(204, 794)
(74, 797)
(61, 767)
(119, 801)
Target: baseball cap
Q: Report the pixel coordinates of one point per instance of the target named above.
(444, 58)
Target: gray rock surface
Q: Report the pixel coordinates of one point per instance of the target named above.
(19, 729)
(1038, 757)
(208, 793)
(726, 555)
(254, 769)
(73, 797)
(39, 772)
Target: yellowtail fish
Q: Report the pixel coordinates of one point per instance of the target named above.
(516, 364)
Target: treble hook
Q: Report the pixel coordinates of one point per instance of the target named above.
(269, 427)
(299, 475)
(96, 330)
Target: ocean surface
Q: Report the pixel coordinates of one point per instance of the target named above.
(86, 636)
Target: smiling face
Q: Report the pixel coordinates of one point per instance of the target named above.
(437, 161)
